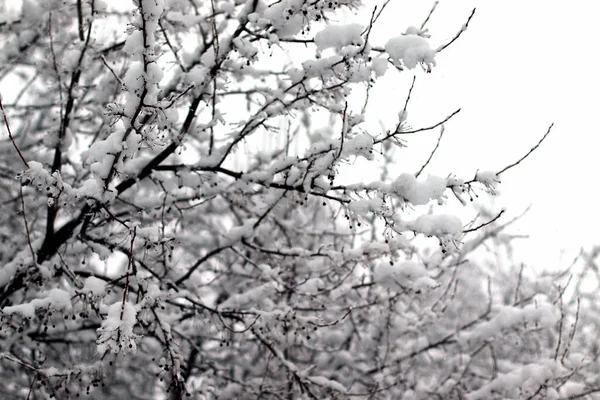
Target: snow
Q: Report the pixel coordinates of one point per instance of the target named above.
(363, 207)
(379, 65)
(94, 286)
(198, 74)
(153, 293)
(10, 12)
(245, 48)
(57, 299)
(410, 50)
(489, 179)
(332, 266)
(116, 333)
(360, 145)
(435, 225)
(312, 286)
(572, 389)
(8, 270)
(244, 231)
(249, 298)
(26, 309)
(508, 317)
(101, 154)
(321, 68)
(339, 36)
(134, 83)
(527, 378)
(405, 275)
(92, 188)
(417, 192)
(328, 383)
(154, 75)
(149, 233)
(36, 174)
(278, 14)
(226, 6)
(359, 73)
(134, 43)
(188, 19)
(70, 59)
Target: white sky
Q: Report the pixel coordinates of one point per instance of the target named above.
(521, 65)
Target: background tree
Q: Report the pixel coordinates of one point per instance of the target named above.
(152, 244)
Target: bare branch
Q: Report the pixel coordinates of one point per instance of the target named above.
(437, 145)
(33, 258)
(460, 32)
(528, 153)
(485, 223)
(433, 7)
(12, 139)
(393, 134)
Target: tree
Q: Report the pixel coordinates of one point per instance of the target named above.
(151, 245)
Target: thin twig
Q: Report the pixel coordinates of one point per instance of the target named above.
(412, 85)
(80, 21)
(518, 287)
(431, 127)
(31, 386)
(583, 394)
(560, 328)
(381, 11)
(112, 71)
(129, 263)
(437, 145)
(528, 153)
(485, 223)
(460, 32)
(367, 30)
(390, 135)
(170, 45)
(573, 330)
(12, 139)
(435, 4)
(26, 224)
(344, 126)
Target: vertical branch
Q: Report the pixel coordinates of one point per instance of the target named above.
(80, 20)
(573, 330)
(64, 124)
(437, 145)
(412, 85)
(53, 209)
(344, 127)
(26, 224)
(127, 273)
(214, 91)
(12, 139)
(435, 4)
(55, 64)
(560, 327)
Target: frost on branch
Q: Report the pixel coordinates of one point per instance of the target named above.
(116, 333)
(207, 199)
(94, 286)
(523, 381)
(55, 300)
(409, 275)
(410, 50)
(407, 187)
(339, 36)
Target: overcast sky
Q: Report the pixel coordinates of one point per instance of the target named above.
(521, 65)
